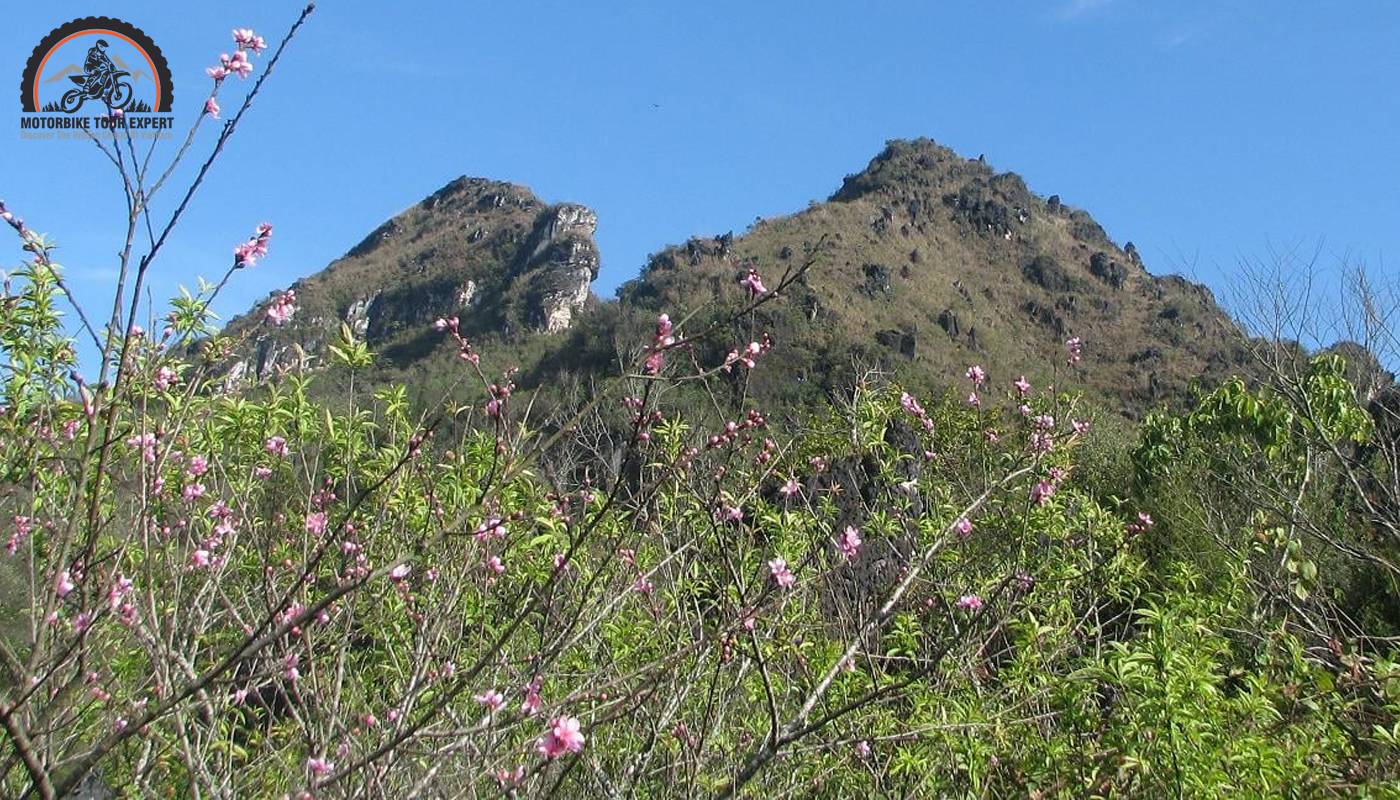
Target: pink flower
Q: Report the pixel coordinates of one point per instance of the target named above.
(849, 543)
(728, 513)
(193, 492)
(319, 767)
(1144, 521)
(1075, 347)
(166, 377)
(276, 445)
(862, 749)
(236, 64)
(1023, 386)
(147, 443)
(211, 107)
(656, 356)
(969, 602)
(289, 667)
(751, 281)
(531, 704)
(781, 574)
(974, 401)
(316, 523)
(247, 40)
(790, 488)
(491, 698)
(200, 559)
(495, 564)
(1080, 426)
(1041, 492)
(217, 73)
(64, 584)
(400, 572)
(248, 253)
(198, 466)
(262, 473)
(977, 375)
(963, 526)
(490, 528)
(562, 737)
(282, 308)
(507, 777)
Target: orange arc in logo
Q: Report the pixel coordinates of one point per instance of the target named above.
(155, 76)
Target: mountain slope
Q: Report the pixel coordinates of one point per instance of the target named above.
(486, 251)
(927, 262)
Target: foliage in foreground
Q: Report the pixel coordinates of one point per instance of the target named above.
(268, 594)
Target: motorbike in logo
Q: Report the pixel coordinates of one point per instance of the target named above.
(108, 87)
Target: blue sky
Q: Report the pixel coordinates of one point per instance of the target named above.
(1205, 132)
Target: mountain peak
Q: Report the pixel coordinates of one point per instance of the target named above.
(489, 252)
(906, 165)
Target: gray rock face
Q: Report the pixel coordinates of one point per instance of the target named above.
(562, 266)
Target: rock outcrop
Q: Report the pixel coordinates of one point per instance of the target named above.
(487, 252)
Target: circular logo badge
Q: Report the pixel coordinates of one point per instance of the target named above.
(97, 65)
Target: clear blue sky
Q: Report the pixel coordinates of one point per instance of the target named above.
(1202, 131)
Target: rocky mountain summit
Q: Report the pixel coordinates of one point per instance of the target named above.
(924, 262)
(488, 252)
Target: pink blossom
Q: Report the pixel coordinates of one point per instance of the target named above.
(236, 64)
(562, 737)
(977, 375)
(276, 445)
(781, 574)
(1075, 348)
(491, 698)
(217, 73)
(1023, 386)
(790, 488)
(200, 559)
(531, 704)
(495, 564)
(751, 281)
(319, 767)
(974, 401)
(1041, 492)
(262, 473)
(247, 40)
(863, 749)
(282, 308)
(192, 492)
(507, 777)
(289, 667)
(490, 528)
(848, 543)
(1143, 522)
(165, 378)
(400, 572)
(147, 443)
(910, 404)
(116, 596)
(963, 526)
(1080, 426)
(251, 251)
(198, 465)
(316, 523)
(970, 602)
(211, 107)
(64, 584)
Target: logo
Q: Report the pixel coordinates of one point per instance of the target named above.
(94, 74)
